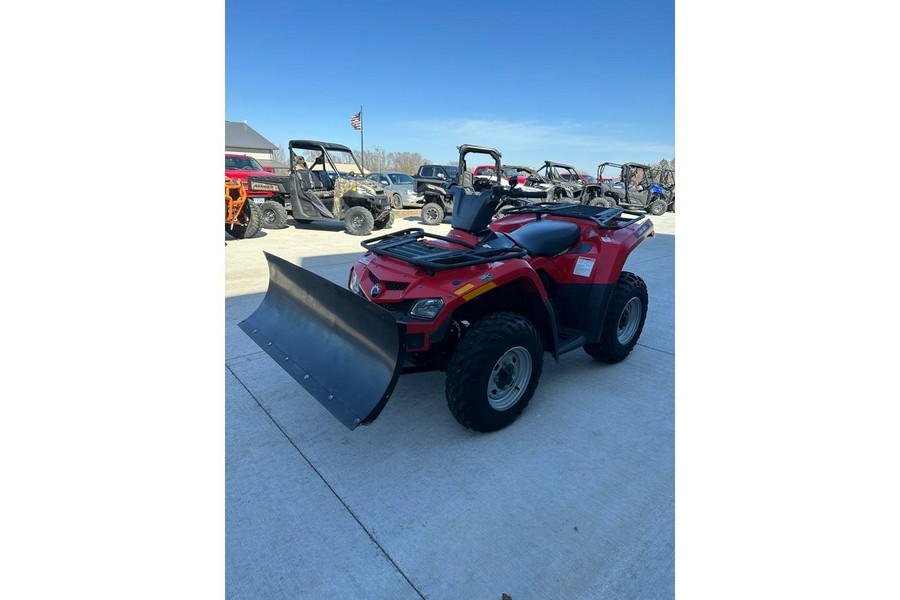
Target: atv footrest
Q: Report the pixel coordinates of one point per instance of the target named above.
(408, 245)
(568, 339)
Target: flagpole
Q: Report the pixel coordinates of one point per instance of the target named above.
(362, 152)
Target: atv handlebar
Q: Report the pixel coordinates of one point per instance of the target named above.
(518, 193)
(497, 191)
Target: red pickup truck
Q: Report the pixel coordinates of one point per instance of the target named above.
(241, 166)
(273, 210)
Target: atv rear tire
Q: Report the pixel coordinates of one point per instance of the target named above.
(358, 221)
(396, 201)
(274, 215)
(657, 207)
(251, 221)
(624, 320)
(432, 214)
(385, 222)
(494, 371)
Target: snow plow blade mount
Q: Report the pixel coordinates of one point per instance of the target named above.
(344, 350)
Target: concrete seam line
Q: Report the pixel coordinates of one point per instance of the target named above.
(330, 488)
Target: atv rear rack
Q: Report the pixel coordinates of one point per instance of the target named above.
(405, 245)
(605, 218)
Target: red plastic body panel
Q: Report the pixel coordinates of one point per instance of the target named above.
(597, 258)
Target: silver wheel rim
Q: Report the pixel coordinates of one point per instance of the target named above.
(431, 214)
(509, 378)
(356, 222)
(629, 320)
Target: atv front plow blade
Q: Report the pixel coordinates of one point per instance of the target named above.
(344, 350)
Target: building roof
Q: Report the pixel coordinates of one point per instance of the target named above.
(241, 135)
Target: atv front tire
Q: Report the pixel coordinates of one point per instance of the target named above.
(432, 214)
(624, 320)
(251, 222)
(358, 221)
(493, 373)
(274, 215)
(657, 207)
(385, 222)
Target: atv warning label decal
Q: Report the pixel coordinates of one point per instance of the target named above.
(583, 267)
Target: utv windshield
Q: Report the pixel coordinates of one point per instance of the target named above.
(345, 159)
(337, 160)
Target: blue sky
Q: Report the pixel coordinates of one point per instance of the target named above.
(579, 82)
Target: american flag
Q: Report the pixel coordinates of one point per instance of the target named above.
(356, 120)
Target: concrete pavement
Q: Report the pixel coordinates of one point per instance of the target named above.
(573, 500)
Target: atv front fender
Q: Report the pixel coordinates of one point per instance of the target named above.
(344, 350)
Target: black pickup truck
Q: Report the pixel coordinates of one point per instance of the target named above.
(431, 182)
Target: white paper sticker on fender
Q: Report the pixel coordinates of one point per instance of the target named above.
(583, 267)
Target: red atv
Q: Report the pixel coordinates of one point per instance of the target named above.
(482, 303)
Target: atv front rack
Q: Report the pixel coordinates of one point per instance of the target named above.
(605, 218)
(406, 245)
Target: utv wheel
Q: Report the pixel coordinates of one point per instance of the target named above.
(251, 221)
(358, 221)
(432, 214)
(396, 202)
(493, 373)
(601, 202)
(624, 320)
(385, 222)
(274, 215)
(657, 207)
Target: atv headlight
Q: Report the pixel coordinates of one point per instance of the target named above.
(427, 308)
(363, 189)
(354, 282)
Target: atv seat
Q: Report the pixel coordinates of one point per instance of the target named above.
(306, 179)
(546, 237)
(325, 180)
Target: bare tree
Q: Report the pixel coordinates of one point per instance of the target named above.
(407, 162)
(376, 160)
(279, 154)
